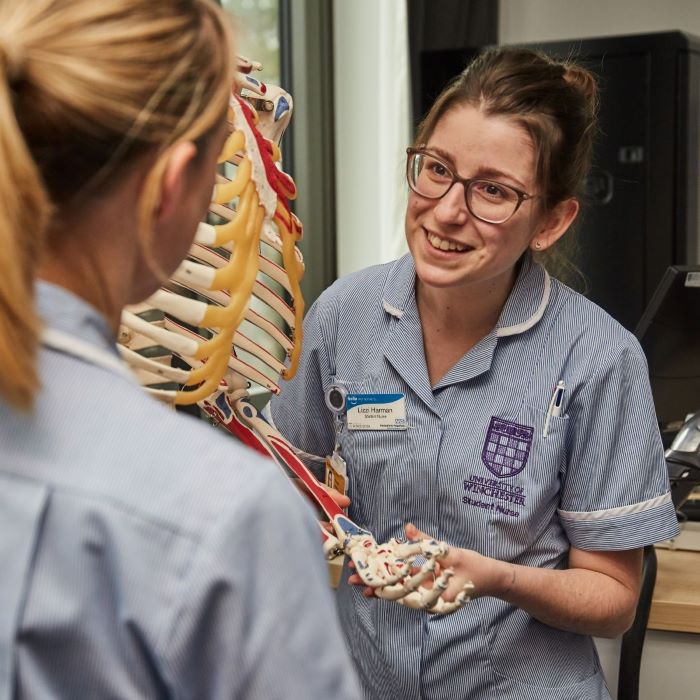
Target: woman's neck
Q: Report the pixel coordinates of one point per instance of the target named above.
(467, 311)
(92, 254)
(454, 321)
(83, 278)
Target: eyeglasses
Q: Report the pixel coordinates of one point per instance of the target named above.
(488, 201)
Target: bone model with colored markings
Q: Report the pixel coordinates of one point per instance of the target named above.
(232, 312)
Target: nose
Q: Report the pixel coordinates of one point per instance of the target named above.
(452, 206)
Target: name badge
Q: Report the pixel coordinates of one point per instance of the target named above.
(376, 412)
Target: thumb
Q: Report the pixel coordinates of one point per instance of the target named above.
(413, 533)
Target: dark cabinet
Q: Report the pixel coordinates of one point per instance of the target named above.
(641, 212)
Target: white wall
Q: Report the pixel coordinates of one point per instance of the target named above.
(523, 21)
(372, 123)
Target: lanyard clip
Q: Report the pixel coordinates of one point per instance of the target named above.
(336, 397)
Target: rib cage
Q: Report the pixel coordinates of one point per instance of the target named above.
(233, 308)
(232, 312)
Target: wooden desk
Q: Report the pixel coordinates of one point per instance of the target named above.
(676, 603)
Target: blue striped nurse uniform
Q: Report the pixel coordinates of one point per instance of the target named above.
(475, 468)
(143, 554)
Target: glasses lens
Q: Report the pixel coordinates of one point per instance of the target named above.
(428, 176)
(491, 201)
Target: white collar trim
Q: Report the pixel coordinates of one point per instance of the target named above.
(391, 309)
(530, 322)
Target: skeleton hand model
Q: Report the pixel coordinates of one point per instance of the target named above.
(221, 315)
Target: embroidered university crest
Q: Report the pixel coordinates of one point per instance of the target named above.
(507, 447)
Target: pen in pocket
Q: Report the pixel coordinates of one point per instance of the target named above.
(555, 406)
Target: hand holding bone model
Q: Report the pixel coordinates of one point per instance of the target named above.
(445, 580)
(233, 311)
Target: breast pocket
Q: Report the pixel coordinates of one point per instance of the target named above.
(526, 460)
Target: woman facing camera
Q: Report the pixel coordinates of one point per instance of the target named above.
(530, 443)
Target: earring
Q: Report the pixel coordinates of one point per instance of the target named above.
(538, 245)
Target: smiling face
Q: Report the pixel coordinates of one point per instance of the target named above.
(453, 249)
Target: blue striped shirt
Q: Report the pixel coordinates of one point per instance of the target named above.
(144, 555)
(474, 468)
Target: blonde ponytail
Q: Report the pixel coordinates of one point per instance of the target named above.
(86, 88)
(23, 217)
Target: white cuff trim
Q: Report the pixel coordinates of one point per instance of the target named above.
(610, 513)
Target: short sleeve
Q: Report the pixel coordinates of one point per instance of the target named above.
(258, 619)
(615, 491)
(300, 412)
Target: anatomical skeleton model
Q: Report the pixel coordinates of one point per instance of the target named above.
(233, 310)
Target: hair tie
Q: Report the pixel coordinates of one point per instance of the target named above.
(11, 60)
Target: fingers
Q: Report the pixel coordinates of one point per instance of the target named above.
(341, 500)
(413, 533)
(367, 591)
(435, 586)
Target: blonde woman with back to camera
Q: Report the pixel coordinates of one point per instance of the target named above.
(143, 554)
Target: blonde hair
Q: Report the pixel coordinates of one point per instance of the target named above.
(87, 86)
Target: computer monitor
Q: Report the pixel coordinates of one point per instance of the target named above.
(669, 332)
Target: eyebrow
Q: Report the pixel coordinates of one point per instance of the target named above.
(483, 172)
